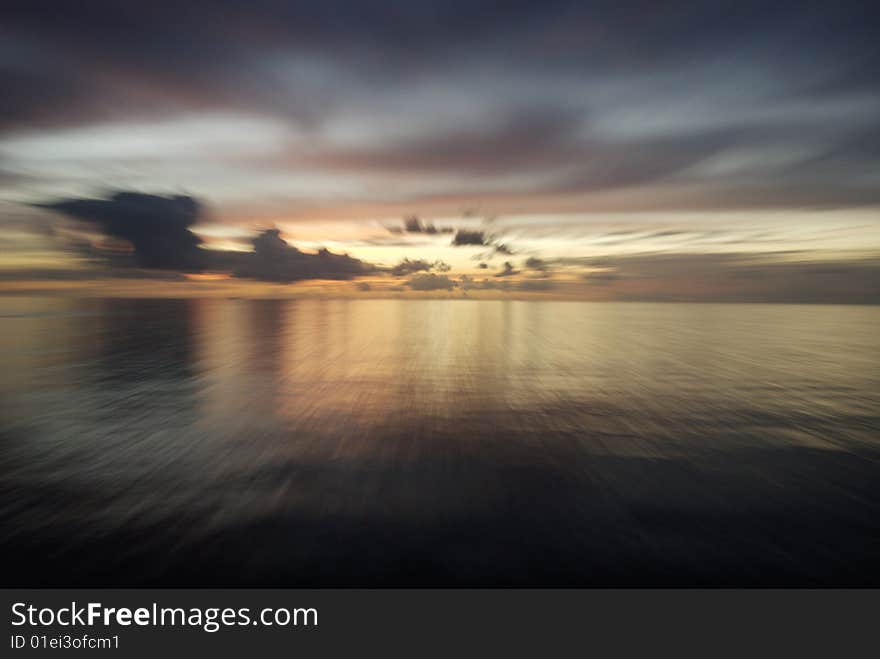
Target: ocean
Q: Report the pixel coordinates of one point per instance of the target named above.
(438, 442)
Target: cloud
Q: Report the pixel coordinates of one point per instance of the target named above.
(508, 270)
(534, 263)
(413, 224)
(467, 237)
(431, 282)
(275, 260)
(157, 227)
(519, 139)
(86, 274)
(480, 238)
(408, 267)
(283, 112)
(601, 277)
(468, 283)
(536, 285)
(786, 277)
(560, 105)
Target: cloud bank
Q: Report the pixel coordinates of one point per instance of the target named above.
(158, 229)
(549, 107)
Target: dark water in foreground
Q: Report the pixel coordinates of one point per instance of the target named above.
(438, 442)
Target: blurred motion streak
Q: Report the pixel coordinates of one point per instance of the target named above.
(404, 442)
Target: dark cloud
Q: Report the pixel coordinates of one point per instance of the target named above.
(481, 238)
(543, 140)
(534, 263)
(431, 282)
(275, 260)
(413, 224)
(518, 140)
(467, 237)
(158, 228)
(86, 274)
(410, 266)
(508, 270)
(511, 108)
(553, 98)
(217, 47)
(793, 159)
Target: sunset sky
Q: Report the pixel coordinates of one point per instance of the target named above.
(723, 151)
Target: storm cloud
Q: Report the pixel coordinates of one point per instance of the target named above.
(158, 228)
(555, 99)
(274, 260)
(305, 117)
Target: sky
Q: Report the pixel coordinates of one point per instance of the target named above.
(706, 151)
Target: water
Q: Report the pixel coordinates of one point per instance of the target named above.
(438, 442)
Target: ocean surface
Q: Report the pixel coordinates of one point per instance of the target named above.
(438, 442)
